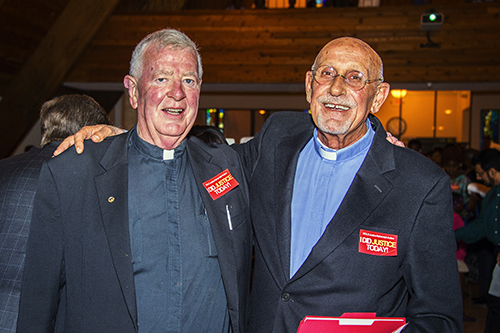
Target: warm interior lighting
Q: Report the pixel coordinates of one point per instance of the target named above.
(440, 128)
(448, 111)
(398, 93)
(262, 111)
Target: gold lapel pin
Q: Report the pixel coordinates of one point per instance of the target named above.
(111, 199)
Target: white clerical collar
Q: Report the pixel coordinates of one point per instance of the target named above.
(346, 152)
(325, 152)
(168, 154)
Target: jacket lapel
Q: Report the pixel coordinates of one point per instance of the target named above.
(112, 189)
(369, 187)
(286, 157)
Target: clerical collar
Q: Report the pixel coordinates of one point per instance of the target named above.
(347, 152)
(153, 151)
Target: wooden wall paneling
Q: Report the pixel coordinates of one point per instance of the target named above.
(278, 46)
(46, 69)
(24, 24)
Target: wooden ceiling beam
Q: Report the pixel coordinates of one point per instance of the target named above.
(46, 69)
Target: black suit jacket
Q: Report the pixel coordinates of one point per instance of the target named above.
(18, 179)
(396, 191)
(78, 265)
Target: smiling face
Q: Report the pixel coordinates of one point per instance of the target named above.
(166, 95)
(338, 111)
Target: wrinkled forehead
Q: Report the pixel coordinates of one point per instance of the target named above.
(349, 53)
(159, 56)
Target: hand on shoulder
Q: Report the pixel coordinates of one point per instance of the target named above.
(97, 133)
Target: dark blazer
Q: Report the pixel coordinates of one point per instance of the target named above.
(397, 192)
(79, 258)
(18, 179)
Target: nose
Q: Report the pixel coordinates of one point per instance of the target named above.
(176, 90)
(338, 85)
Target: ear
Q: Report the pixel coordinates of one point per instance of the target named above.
(492, 173)
(380, 96)
(133, 94)
(309, 80)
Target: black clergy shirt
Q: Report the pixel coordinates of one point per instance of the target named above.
(177, 276)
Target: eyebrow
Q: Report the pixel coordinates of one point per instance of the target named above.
(191, 74)
(170, 73)
(162, 71)
(351, 69)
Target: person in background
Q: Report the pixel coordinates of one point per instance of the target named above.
(415, 144)
(469, 158)
(59, 117)
(487, 224)
(452, 164)
(461, 253)
(435, 155)
(480, 254)
(149, 231)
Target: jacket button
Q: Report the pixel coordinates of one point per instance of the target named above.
(285, 297)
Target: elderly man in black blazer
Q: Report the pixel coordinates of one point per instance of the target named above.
(149, 231)
(59, 117)
(343, 220)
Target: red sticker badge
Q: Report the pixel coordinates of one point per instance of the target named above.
(220, 184)
(377, 243)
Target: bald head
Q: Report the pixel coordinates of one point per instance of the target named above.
(343, 87)
(355, 46)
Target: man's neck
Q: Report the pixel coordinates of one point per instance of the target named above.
(164, 142)
(339, 141)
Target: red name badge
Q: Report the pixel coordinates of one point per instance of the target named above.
(377, 243)
(220, 184)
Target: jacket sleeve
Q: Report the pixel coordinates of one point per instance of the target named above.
(43, 278)
(430, 267)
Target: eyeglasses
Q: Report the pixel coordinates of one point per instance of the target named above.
(480, 174)
(354, 79)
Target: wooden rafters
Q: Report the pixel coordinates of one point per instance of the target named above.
(48, 66)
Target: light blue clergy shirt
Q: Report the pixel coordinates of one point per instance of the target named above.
(322, 179)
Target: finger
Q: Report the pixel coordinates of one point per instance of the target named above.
(79, 137)
(83, 134)
(103, 133)
(391, 138)
(68, 142)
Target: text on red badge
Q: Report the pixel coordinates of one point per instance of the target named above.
(220, 184)
(377, 243)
